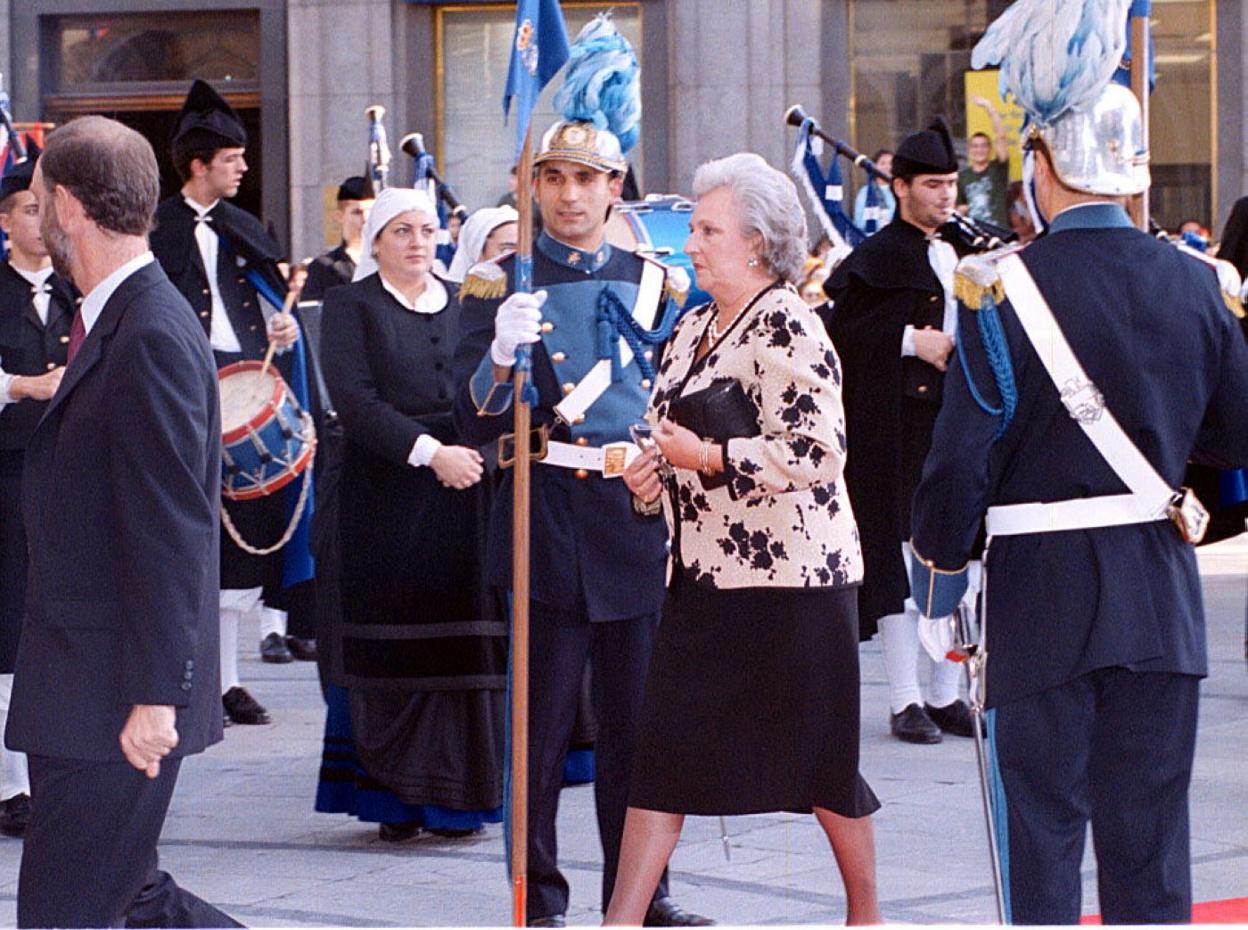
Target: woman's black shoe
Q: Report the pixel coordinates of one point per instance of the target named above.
(398, 832)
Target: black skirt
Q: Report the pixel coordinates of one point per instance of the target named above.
(752, 704)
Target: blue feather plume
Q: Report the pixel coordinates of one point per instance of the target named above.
(1055, 55)
(602, 84)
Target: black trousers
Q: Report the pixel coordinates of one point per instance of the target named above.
(618, 653)
(1112, 747)
(89, 856)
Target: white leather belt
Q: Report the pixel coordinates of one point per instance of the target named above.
(609, 460)
(1086, 513)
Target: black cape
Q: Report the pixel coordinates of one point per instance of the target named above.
(885, 285)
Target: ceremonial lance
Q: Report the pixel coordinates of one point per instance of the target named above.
(539, 49)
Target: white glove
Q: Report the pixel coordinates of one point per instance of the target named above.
(936, 635)
(518, 322)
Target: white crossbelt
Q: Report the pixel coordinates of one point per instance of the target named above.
(1149, 495)
(609, 460)
(594, 384)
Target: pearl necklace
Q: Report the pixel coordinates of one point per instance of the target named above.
(714, 331)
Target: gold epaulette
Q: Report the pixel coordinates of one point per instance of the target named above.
(676, 283)
(486, 280)
(977, 276)
(1229, 281)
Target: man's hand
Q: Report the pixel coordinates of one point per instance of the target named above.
(457, 467)
(36, 387)
(933, 346)
(283, 330)
(149, 735)
(984, 103)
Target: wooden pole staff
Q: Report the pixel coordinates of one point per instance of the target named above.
(520, 567)
(1141, 69)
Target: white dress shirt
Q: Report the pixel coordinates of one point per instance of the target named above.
(221, 335)
(944, 261)
(93, 304)
(42, 298)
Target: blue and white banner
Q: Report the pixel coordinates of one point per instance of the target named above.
(826, 189)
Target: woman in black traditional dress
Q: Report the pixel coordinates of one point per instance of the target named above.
(752, 696)
(415, 731)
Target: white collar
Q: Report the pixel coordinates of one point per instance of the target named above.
(36, 278)
(431, 300)
(93, 303)
(199, 208)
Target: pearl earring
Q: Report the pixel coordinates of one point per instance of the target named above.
(752, 263)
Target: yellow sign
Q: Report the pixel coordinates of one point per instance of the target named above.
(984, 84)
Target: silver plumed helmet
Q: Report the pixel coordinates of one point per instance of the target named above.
(1100, 149)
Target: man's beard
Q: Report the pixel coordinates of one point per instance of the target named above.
(60, 250)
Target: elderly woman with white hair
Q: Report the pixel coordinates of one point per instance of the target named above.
(752, 697)
(416, 740)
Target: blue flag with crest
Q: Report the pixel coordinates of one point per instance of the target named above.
(538, 51)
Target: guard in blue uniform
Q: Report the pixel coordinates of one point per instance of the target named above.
(597, 562)
(1093, 623)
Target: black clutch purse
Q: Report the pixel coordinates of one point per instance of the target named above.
(719, 412)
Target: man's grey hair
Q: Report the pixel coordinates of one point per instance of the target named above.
(768, 206)
(110, 168)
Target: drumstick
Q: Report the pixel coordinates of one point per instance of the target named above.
(268, 356)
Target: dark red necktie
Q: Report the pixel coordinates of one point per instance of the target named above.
(77, 333)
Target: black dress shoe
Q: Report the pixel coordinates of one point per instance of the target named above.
(554, 920)
(15, 816)
(242, 708)
(304, 650)
(452, 834)
(953, 718)
(664, 912)
(913, 725)
(398, 832)
(273, 649)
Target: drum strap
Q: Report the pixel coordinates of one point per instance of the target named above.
(595, 384)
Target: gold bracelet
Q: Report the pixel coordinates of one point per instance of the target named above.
(704, 458)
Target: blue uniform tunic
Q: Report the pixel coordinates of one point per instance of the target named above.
(1095, 638)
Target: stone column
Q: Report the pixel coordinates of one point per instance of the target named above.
(343, 59)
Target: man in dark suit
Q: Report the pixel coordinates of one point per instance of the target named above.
(117, 675)
(337, 266)
(1071, 457)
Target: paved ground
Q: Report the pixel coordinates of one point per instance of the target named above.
(242, 832)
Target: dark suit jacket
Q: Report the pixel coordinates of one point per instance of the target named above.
(121, 506)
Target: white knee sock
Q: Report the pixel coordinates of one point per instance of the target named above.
(14, 779)
(943, 689)
(271, 621)
(899, 641)
(235, 604)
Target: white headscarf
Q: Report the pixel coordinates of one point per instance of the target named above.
(389, 204)
(472, 236)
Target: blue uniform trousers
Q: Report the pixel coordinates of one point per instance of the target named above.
(618, 652)
(1113, 747)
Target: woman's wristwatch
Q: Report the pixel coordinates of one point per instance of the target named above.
(648, 509)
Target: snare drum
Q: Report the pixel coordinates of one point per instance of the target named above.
(657, 227)
(268, 438)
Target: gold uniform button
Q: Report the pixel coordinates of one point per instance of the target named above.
(933, 298)
(645, 383)
(559, 357)
(582, 441)
(548, 327)
(64, 340)
(204, 314)
(581, 473)
(648, 354)
(207, 292)
(252, 328)
(246, 303)
(51, 365)
(579, 420)
(922, 388)
(569, 387)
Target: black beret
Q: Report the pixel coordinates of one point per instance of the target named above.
(356, 188)
(19, 176)
(206, 123)
(927, 152)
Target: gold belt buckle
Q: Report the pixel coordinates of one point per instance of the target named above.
(614, 459)
(538, 437)
(1188, 515)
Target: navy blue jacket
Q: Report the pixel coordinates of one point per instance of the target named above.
(121, 504)
(1152, 329)
(590, 552)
